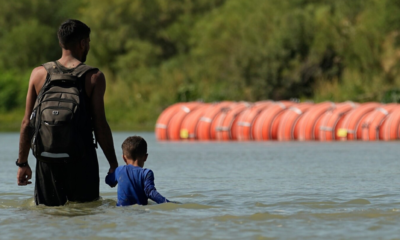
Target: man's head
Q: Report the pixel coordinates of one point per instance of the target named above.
(74, 35)
(135, 149)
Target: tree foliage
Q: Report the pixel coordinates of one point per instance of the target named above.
(155, 53)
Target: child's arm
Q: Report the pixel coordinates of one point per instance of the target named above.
(111, 178)
(150, 189)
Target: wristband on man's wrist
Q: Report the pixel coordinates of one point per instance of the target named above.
(21, 164)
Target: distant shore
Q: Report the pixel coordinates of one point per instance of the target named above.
(11, 122)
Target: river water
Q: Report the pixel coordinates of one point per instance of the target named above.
(227, 190)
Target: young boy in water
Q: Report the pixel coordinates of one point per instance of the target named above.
(135, 183)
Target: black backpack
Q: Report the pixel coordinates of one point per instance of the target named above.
(60, 122)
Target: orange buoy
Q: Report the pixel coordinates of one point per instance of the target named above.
(332, 118)
(373, 121)
(265, 126)
(190, 122)
(163, 120)
(226, 121)
(390, 127)
(239, 122)
(310, 121)
(204, 129)
(247, 118)
(174, 126)
(289, 121)
(215, 122)
(350, 127)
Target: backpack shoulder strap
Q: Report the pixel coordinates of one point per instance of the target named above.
(51, 68)
(82, 69)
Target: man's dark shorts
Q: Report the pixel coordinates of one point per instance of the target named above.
(59, 182)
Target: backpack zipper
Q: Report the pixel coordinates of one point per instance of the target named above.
(52, 107)
(61, 92)
(59, 100)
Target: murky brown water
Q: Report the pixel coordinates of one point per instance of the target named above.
(248, 190)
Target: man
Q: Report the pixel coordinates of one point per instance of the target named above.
(56, 183)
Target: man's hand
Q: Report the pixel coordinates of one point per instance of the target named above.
(110, 178)
(112, 171)
(23, 175)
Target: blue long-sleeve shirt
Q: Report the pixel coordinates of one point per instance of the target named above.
(135, 185)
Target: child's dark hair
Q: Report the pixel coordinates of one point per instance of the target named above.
(134, 147)
(71, 32)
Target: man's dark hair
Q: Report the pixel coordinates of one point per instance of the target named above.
(134, 147)
(72, 32)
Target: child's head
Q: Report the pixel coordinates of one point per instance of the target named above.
(135, 149)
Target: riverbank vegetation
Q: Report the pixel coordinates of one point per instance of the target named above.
(156, 53)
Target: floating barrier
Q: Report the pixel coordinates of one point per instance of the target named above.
(175, 122)
(226, 122)
(288, 127)
(266, 125)
(190, 122)
(332, 119)
(350, 128)
(390, 127)
(281, 120)
(206, 126)
(247, 119)
(311, 120)
(163, 121)
(373, 121)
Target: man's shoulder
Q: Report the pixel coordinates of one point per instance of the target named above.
(90, 69)
(38, 75)
(95, 75)
(40, 70)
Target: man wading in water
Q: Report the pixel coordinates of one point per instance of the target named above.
(73, 173)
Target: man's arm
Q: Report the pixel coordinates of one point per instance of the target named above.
(25, 173)
(150, 189)
(101, 128)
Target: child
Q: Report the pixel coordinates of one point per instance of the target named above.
(135, 183)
